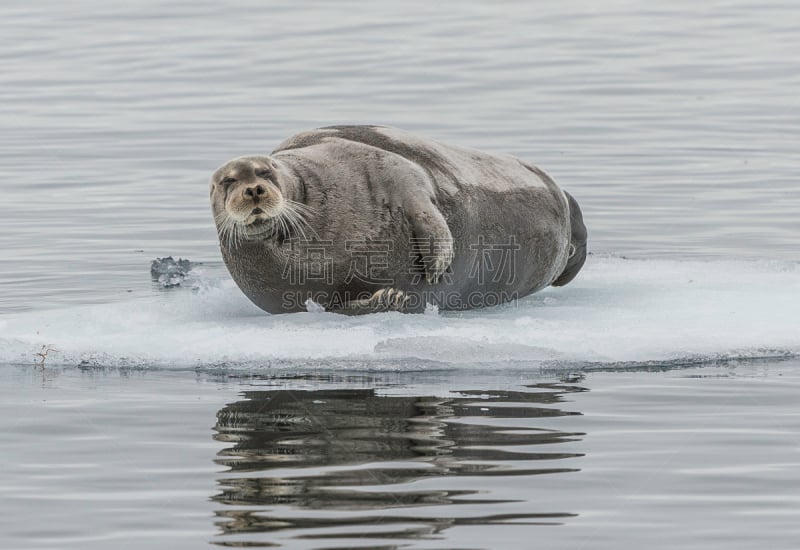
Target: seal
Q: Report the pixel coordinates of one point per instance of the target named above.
(359, 219)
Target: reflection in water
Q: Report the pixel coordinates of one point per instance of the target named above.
(349, 464)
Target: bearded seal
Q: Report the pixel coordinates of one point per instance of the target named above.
(371, 218)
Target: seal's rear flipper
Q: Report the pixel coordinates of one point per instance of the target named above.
(577, 244)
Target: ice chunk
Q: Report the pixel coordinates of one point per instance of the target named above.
(169, 272)
(616, 311)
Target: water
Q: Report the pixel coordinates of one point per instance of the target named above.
(686, 458)
(153, 423)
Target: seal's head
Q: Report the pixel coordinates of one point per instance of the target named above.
(251, 200)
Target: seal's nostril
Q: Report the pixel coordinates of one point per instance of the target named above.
(255, 191)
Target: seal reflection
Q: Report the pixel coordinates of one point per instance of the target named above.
(350, 464)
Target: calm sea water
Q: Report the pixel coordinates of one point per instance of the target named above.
(185, 417)
(692, 458)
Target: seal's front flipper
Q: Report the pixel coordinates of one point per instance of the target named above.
(385, 299)
(433, 242)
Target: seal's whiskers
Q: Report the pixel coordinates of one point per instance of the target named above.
(294, 214)
(231, 233)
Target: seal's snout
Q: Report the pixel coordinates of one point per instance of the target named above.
(255, 192)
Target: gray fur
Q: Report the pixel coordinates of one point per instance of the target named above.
(380, 188)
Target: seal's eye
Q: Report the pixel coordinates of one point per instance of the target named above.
(228, 181)
(263, 174)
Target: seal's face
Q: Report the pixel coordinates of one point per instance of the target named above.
(249, 202)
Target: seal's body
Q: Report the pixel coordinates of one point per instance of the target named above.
(365, 218)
